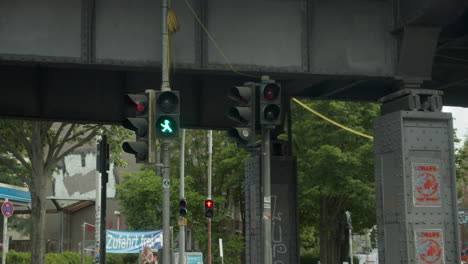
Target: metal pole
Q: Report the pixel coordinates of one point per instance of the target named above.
(350, 246)
(267, 246)
(182, 195)
(210, 160)
(5, 237)
(165, 45)
(104, 175)
(83, 245)
(166, 203)
(97, 223)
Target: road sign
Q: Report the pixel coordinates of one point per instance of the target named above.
(7, 209)
(182, 221)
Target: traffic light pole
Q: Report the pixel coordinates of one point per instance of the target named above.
(266, 182)
(166, 202)
(210, 160)
(182, 196)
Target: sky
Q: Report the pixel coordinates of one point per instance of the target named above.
(460, 121)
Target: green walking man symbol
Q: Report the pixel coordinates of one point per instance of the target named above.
(166, 127)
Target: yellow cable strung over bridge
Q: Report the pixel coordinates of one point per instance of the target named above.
(331, 121)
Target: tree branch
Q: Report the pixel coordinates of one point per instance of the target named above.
(19, 132)
(53, 143)
(79, 144)
(16, 153)
(44, 128)
(72, 138)
(14, 169)
(58, 149)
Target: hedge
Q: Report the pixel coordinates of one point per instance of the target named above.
(67, 257)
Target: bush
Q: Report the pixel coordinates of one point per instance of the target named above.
(121, 258)
(14, 257)
(310, 257)
(67, 257)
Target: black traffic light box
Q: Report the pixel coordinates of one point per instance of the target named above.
(167, 114)
(183, 208)
(270, 103)
(243, 113)
(209, 208)
(137, 115)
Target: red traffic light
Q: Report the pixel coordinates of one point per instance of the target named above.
(140, 108)
(138, 102)
(271, 92)
(209, 204)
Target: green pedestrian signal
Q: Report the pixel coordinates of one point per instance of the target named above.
(166, 125)
(167, 114)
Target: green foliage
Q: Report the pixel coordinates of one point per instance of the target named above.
(14, 257)
(335, 167)
(121, 258)
(140, 193)
(310, 257)
(67, 257)
(461, 165)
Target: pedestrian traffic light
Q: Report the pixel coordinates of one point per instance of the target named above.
(209, 208)
(243, 113)
(183, 208)
(137, 114)
(167, 114)
(270, 103)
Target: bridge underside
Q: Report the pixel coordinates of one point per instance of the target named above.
(75, 60)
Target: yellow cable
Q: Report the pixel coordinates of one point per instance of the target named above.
(331, 121)
(452, 58)
(228, 62)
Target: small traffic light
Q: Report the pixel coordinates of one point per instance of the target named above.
(270, 103)
(183, 208)
(137, 115)
(209, 208)
(243, 113)
(167, 114)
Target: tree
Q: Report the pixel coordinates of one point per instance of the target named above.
(38, 146)
(461, 165)
(141, 192)
(335, 172)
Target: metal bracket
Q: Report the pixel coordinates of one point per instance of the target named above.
(412, 100)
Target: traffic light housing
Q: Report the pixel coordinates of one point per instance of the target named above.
(167, 114)
(209, 208)
(137, 110)
(183, 208)
(243, 113)
(270, 103)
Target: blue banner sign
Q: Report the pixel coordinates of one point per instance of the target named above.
(132, 241)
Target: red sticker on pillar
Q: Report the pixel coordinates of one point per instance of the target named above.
(429, 246)
(426, 184)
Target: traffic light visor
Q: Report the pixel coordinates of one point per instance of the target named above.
(240, 134)
(271, 112)
(183, 212)
(240, 114)
(139, 125)
(138, 101)
(240, 94)
(140, 149)
(167, 102)
(271, 91)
